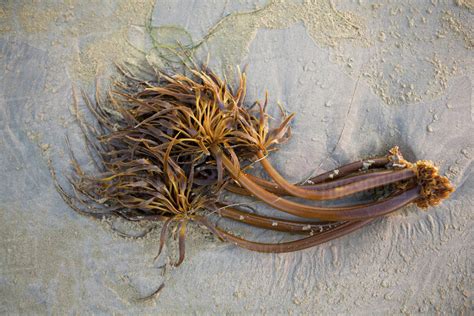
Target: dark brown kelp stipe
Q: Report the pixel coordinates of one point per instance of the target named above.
(166, 149)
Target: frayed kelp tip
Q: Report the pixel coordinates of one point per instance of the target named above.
(433, 187)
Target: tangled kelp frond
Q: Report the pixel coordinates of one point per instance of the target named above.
(199, 113)
(166, 149)
(136, 189)
(152, 141)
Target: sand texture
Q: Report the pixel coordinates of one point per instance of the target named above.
(362, 76)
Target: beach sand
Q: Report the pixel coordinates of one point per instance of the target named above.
(361, 76)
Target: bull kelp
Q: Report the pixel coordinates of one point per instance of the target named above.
(167, 148)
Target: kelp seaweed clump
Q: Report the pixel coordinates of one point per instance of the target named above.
(166, 150)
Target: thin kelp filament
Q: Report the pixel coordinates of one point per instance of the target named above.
(166, 149)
